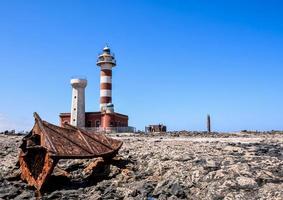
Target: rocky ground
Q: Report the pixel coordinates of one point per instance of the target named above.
(196, 166)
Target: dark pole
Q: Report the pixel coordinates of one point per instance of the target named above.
(208, 124)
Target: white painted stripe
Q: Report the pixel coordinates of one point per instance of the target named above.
(106, 66)
(105, 79)
(105, 93)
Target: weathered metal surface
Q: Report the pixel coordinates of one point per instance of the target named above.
(36, 167)
(46, 144)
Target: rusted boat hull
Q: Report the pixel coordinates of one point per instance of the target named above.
(46, 143)
(36, 167)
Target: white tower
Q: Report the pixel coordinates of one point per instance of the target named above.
(78, 102)
(106, 61)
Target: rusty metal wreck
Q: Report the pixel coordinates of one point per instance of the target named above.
(46, 144)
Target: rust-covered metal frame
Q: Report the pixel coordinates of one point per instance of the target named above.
(46, 144)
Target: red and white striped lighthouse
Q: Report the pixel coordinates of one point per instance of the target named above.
(106, 120)
(106, 61)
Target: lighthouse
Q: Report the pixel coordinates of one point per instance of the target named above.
(106, 119)
(106, 61)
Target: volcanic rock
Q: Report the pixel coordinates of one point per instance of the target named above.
(184, 165)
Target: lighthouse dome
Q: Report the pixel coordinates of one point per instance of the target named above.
(106, 49)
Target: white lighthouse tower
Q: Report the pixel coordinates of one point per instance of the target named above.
(78, 102)
(106, 61)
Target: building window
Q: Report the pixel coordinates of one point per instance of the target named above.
(97, 123)
(88, 124)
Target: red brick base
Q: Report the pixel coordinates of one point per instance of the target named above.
(98, 119)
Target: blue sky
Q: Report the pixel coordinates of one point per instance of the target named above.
(177, 61)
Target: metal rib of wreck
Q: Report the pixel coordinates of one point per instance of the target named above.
(47, 143)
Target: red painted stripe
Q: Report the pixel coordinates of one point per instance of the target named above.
(105, 99)
(106, 72)
(105, 86)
